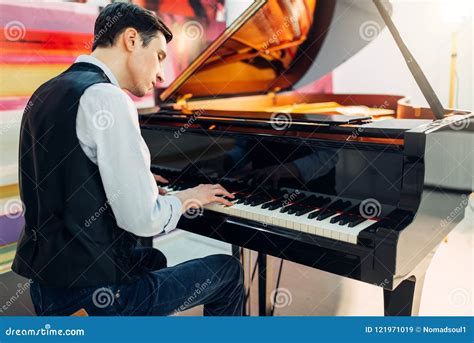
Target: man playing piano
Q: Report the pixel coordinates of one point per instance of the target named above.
(89, 193)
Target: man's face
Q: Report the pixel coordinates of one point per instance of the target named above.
(145, 65)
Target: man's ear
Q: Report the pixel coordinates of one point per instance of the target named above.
(130, 38)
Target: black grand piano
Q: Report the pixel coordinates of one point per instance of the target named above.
(339, 182)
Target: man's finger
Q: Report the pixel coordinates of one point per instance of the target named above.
(160, 178)
(162, 191)
(222, 191)
(222, 201)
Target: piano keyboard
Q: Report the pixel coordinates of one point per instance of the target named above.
(315, 214)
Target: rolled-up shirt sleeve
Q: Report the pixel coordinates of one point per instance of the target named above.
(109, 133)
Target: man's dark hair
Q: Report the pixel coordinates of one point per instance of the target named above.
(116, 17)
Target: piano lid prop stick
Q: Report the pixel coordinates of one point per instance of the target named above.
(415, 69)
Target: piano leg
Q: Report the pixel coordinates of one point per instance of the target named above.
(246, 259)
(264, 285)
(264, 280)
(243, 255)
(405, 299)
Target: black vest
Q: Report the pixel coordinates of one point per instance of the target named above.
(71, 237)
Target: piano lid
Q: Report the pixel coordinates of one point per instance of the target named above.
(276, 45)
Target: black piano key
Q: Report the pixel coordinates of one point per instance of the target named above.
(274, 205)
(325, 214)
(314, 214)
(345, 220)
(310, 200)
(303, 211)
(294, 198)
(356, 221)
(339, 205)
(278, 199)
(259, 201)
(240, 200)
(267, 204)
(304, 206)
(326, 205)
(291, 209)
(295, 201)
(335, 219)
(248, 200)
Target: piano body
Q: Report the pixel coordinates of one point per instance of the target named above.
(337, 182)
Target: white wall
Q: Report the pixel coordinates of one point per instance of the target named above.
(380, 68)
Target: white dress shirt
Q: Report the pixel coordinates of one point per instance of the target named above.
(109, 134)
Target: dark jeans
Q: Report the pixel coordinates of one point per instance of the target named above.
(214, 281)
